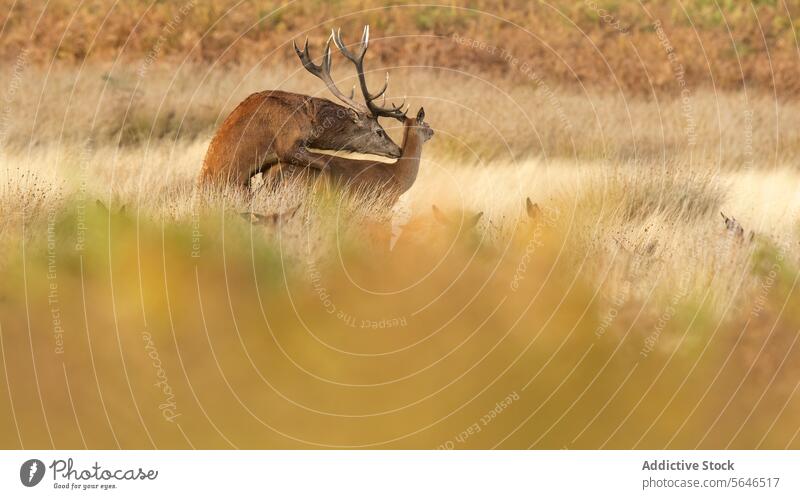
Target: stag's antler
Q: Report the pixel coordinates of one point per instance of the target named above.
(323, 72)
(358, 60)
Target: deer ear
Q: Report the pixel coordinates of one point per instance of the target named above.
(288, 214)
(439, 216)
(532, 208)
(472, 222)
(352, 114)
(421, 115)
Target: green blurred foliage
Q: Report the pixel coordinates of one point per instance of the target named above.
(264, 348)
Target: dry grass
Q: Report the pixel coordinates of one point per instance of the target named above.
(477, 121)
(625, 182)
(667, 220)
(625, 298)
(314, 335)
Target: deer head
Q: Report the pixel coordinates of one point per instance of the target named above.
(271, 219)
(359, 124)
(419, 126)
(464, 224)
(532, 209)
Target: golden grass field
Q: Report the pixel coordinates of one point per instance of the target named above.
(625, 315)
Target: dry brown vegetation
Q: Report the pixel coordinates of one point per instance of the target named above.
(601, 43)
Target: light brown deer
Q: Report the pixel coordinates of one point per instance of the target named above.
(464, 224)
(390, 179)
(270, 220)
(274, 126)
(532, 209)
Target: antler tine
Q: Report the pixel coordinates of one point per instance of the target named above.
(303, 55)
(358, 61)
(326, 60)
(396, 111)
(382, 90)
(323, 72)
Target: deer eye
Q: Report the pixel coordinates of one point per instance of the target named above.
(380, 133)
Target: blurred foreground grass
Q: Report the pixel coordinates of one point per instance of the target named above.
(122, 331)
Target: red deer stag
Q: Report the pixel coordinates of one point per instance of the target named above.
(391, 179)
(274, 127)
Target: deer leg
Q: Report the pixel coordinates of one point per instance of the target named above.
(268, 163)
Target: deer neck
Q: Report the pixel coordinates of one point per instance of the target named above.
(326, 124)
(407, 167)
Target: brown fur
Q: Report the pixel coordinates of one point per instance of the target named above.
(395, 178)
(274, 126)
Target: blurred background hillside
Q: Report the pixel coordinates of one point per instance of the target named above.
(613, 44)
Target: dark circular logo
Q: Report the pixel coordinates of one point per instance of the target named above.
(31, 472)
